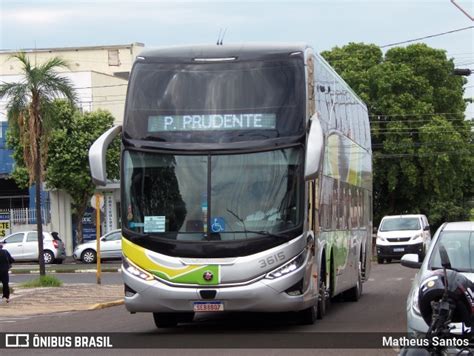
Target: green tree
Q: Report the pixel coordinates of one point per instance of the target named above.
(28, 107)
(423, 156)
(69, 147)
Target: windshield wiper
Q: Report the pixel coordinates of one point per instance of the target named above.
(451, 268)
(260, 232)
(264, 233)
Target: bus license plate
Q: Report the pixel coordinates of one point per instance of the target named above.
(208, 306)
(400, 249)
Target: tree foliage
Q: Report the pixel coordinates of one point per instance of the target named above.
(423, 154)
(68, 162)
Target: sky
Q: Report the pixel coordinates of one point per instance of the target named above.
(323, 24)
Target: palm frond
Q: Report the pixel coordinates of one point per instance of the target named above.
(23, 58)
(53, 63)
(58, 87)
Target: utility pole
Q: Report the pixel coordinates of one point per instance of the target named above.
(462, 10)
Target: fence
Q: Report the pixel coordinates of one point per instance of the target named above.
(28, 216)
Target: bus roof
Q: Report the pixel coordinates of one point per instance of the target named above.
(244, 51)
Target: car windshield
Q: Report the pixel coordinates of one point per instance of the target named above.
(460, 248)
(397, 224)
(250, 194)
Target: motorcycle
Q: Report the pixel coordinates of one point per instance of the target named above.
(446, 297)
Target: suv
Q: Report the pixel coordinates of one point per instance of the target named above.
(402, 234)
(23, 246)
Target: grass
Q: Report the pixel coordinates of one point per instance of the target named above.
(42, 281)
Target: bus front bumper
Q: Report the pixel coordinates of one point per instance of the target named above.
(264, 295)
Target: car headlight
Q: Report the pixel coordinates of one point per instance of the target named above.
(132, 268)
(288, 267)
(414, 302)
(417, 236)
(381, 238)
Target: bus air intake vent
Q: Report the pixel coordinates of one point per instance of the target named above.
(208, 294)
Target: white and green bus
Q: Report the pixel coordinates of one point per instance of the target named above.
(246, 182)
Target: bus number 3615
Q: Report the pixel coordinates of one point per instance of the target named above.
(280, 256)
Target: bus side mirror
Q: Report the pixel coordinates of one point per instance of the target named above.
(97, 152)
(314, 148)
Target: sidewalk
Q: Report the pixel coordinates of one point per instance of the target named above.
(69, 297)
(74, 267)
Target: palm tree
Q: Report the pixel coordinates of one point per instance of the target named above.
(27, 109)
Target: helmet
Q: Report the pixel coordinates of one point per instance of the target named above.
(460, 295)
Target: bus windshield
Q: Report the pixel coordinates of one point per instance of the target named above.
(190, 102)
(250, 194)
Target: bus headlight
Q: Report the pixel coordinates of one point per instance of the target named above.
(414, 302)
(131, 268)
(288, 267)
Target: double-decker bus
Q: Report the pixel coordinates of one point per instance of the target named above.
(246, 182)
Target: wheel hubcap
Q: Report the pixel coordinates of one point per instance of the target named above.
(88, 257)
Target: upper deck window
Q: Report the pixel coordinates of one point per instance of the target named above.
(238, 100)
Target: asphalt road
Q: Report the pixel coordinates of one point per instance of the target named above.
(381, 309)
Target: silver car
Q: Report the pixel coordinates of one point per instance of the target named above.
(458, 239)
(110, 247)
(23, 246)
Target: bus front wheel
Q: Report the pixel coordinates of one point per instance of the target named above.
(171, 320)
(308, 316)
(165, 320)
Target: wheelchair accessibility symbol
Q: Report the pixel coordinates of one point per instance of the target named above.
(218, 224)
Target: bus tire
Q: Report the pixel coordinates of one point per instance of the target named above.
(165, 320)
(323, 297)
(308, 316)
(353, 294)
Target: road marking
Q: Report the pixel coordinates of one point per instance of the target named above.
(13, 319)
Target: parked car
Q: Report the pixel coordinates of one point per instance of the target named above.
(458, 239)
(402, 234)
(110, 247)
(23, 246)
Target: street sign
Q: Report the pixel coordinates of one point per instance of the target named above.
(101, 201)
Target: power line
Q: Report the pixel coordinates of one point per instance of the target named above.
(415, 114)
(425, 37)
(400, 155)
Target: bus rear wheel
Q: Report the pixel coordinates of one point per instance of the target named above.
(355, 292)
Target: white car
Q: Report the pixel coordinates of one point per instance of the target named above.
(398, 235)
(458, 239)
(110, 247)
(23, 246)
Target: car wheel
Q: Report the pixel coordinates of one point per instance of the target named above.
(165, 320)
(89, 256)
(421, 255)
(48, 257)
(380, 260)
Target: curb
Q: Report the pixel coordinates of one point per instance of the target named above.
(107, 304)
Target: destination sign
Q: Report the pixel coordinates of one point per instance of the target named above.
(165, 123)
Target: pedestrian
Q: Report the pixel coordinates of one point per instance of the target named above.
(5, 264)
